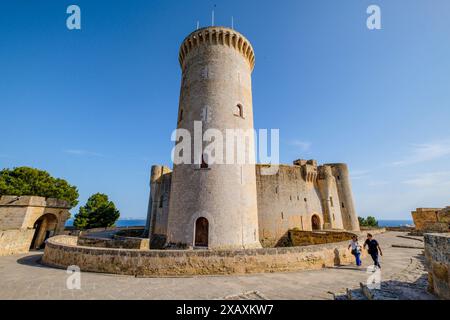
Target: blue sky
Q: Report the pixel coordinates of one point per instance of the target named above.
(97, 106)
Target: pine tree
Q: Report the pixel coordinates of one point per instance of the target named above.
(98, 212)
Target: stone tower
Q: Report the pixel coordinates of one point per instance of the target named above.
(344, 188)
(215, 205)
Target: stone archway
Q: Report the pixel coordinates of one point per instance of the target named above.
(45, 227)
(315, 222)
(201, 232)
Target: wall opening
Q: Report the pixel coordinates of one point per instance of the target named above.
(45, 228)
(204, 164)
(238, 111)
(161, 201)
(201, 232)
(315, 222)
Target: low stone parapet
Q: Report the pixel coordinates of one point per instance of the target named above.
(302, 238)
(61, 252)
(116, 242)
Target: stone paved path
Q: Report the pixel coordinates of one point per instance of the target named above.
(22, 277)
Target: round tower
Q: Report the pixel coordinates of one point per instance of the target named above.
(342, 176)
(214, 204)
(330, 198)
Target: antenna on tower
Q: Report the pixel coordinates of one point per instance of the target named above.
(212, 16)
(232, 22)
(198, 24)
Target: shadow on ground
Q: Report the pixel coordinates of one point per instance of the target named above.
(32, 260)
(410, 284)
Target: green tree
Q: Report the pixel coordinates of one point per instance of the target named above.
(368, 222)
(98, 212)
(25, 181)
(371, 221)
(362, 221)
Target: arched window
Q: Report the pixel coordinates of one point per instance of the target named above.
(238, 111)
(180, 118)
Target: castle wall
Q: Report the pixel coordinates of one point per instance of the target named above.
(18, 216)
(290, 199)
(285, 201)
(424, 217)
(431, 219)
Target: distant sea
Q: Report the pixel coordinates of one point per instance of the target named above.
(395, 223)
(141, 222)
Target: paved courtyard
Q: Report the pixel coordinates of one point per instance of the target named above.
(23, 277)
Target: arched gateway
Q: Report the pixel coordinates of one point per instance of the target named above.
(44, 227)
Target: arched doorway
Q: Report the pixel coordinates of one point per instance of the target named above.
(201, 232)
(44, 228)
(315, 222)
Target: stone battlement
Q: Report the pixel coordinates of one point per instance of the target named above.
(217, 35)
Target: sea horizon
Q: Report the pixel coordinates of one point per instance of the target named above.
(136, 222)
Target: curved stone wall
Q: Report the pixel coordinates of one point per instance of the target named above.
(62, 251)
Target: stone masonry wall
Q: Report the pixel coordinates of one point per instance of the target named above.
(15, 241)
(437, 255)
(285, 201)
(424, 216)
(302, 238)
(118, 242)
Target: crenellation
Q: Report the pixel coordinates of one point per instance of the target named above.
(217, 36)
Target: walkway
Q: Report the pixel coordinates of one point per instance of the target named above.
(24, 278)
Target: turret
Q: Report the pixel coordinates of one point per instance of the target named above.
(330, 199)
(342, 177)
(156, 174)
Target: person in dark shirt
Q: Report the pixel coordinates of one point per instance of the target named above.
(374, 248)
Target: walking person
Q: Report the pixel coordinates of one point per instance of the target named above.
(356, 249)
(374, 248)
